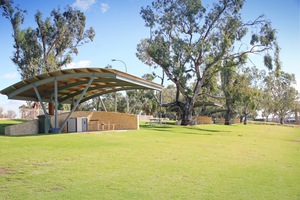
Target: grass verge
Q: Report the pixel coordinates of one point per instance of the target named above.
(155, 162)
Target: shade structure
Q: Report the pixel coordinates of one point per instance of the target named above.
(74, 86)
(71, 83)
(197, 104)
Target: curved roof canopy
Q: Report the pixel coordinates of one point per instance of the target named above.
(72, 84)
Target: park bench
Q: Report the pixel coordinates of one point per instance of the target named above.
(96, 124)
(153, 121)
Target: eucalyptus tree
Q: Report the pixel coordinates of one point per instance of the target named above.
(11, 114)
(109, 101)
(190, 43)
(266, 104)
(1, 112)
(251, 94)
(283, 96)
(297, 108)
(142, 101)
(231, 88)
(146, 101)
(51, 44)
(250, 102)
(241, 91)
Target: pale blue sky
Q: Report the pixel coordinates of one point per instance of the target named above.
(119, 28)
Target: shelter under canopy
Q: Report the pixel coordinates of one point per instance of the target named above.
(74, 86)
(197, 104)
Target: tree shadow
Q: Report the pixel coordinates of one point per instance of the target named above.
(196, 130)
(146, 126)
(162, 127)
(202, 131)
(208, 130)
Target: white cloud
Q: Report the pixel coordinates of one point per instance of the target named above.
(83, 5)
(80, 64)
(104, 7)
(10, 75)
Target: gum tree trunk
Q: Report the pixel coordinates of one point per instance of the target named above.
(186, 113)
(228, 114)
(245, 119)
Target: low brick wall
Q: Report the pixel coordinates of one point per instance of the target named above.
(222, 121)
(122, 121)
(26, 128)
(203, 120)
(236, 121)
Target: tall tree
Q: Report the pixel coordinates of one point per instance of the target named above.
(143, 100)
(231, 88)
(51, 44)
(249, 84)
(190, 43)
(284, 96)
(11, 114)
(1, 112)
(241, 91)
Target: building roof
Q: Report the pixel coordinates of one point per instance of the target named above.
(71, 83)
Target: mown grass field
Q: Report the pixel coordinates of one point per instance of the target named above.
(172, 162)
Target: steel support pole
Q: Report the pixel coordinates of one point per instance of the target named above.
(55, 105)
(41, 102)
(76, 104)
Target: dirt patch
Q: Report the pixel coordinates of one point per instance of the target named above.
(57, 188)
(298, 140)
(41, 164)
(5, 170)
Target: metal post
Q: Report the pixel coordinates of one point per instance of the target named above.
(55, 105)
(40, 100)
(126, 96)
(76, 104)
(115, 101)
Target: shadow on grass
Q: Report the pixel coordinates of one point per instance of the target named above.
(208, 130)
(32, 135)
(146, 126)
(196, 130)
(164, 128)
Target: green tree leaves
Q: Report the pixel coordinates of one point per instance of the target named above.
(192, 44)
(49, 46)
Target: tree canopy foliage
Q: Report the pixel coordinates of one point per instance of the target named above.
(191, 44)
(280, 95)
(51, 44)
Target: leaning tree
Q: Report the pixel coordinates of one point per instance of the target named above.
(190, 43)
(51, 44)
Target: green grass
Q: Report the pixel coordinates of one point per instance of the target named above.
(203, 162)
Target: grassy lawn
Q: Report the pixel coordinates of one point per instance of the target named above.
(202, 162)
